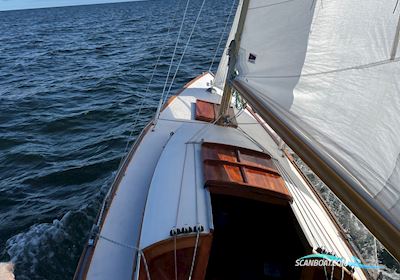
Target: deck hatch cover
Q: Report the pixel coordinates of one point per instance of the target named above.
(208, 111)
(242, 172)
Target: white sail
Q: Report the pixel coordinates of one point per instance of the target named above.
(327, 66)
(222, 71)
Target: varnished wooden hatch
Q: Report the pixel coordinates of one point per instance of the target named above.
(241, 172)
(207, 111)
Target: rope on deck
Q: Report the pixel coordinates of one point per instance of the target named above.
(132, 248)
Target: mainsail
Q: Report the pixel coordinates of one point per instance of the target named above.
(326, 76)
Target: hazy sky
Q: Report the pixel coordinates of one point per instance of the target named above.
(29, 4)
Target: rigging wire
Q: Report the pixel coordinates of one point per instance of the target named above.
(170, 24)
(178, 210)
(222, 35)
(197, 214)
(140, 252)
(325, 235)
(184, 50)
(137, 115)
(172, 61)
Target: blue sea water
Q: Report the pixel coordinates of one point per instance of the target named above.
(71, 83)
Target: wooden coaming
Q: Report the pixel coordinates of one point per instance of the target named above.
(172, 98)
(160, 257)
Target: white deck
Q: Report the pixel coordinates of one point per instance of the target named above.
(165, 178)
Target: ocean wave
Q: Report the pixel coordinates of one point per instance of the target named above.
(39, 253)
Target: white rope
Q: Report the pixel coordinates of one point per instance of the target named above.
(342, 274)
(195, 184)
(175, 259)
(129, 247)
(172, 61)
(326, 273)
(197, 214)
(177, 210)
(222, 35)
(184, 50)
(316, 223)
(181, 186)
(201, 130)
(195, 252)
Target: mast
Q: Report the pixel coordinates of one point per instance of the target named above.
(233, 52)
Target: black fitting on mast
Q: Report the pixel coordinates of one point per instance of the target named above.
(223, 116)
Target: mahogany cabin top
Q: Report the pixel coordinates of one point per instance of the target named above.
(236, 171)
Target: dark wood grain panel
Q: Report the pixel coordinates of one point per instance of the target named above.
(205, 111)
(160, 258)
(236, 171)
(256, 159)
(221, 152)
(222, 172)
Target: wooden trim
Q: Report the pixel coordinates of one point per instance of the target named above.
(171, 99)
(249, 192)
(163, 247)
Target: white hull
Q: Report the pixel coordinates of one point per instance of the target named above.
(149, 198)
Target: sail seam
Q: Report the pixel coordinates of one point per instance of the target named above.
(270, 5)
(357, 67)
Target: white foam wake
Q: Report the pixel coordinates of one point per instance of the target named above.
(7, 271)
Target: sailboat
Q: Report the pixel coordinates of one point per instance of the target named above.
(210, 189)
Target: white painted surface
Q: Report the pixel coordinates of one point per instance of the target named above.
(158, 164)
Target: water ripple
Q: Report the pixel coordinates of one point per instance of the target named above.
(71, 81)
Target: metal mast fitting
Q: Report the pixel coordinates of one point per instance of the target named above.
(234, 47)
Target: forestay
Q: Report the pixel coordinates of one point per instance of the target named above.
(331, 68)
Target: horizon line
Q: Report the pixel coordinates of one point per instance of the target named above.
(72, 5)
